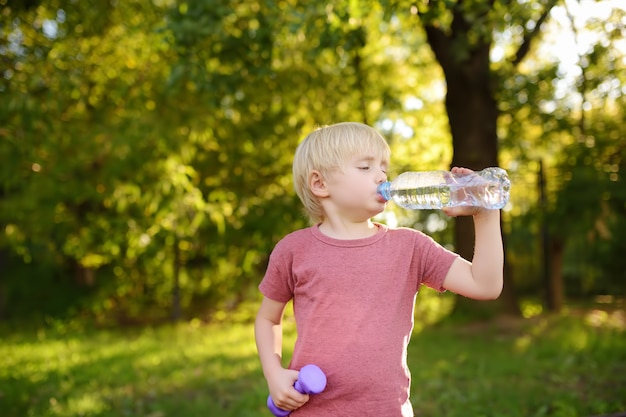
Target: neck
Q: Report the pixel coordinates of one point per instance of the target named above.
(346, 230)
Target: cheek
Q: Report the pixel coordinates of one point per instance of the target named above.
(362, 187)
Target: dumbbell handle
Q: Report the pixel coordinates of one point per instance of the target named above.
(311, 380)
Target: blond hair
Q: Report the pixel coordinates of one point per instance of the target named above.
(328, 148)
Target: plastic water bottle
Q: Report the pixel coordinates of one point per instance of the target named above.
(488, 188)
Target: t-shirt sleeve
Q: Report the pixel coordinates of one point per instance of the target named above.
(277, 284)
(436, 262)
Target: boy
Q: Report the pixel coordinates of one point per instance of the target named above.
(353, 282)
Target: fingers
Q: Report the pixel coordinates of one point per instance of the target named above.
(290, 400)
(461, 170)
(283, 393)
(461, 211)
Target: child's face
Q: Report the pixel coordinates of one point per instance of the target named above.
(353, 188)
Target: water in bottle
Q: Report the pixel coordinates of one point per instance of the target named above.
(488, 188)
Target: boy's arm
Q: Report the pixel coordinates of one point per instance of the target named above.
(268, 331)
(481, 279)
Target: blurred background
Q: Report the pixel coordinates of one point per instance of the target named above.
(146, 149)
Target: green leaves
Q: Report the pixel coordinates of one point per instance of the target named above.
(143, 138)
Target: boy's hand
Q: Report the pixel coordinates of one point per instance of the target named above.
(463, 210)
(283, 393)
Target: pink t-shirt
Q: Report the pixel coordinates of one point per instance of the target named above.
(353, 304)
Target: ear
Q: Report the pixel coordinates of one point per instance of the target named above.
(318, 184)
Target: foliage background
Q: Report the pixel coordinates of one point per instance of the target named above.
(145, 157)
(146, 145)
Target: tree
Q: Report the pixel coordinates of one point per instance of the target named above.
(461, 35)
(90, 180)
(563, 118)
(147, 147)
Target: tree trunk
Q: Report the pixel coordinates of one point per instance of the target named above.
(552, 253)
(557, 288)
(176, 310)
(472, 115)
(509, 303)
(4, 264)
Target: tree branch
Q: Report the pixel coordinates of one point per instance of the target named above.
(529, 36)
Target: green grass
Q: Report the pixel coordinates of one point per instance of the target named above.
(549, 366)
(562, 366)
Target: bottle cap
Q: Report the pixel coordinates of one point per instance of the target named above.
(384, 190)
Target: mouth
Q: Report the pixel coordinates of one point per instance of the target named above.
(380, 198)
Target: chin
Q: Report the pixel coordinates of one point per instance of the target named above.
(375, 213)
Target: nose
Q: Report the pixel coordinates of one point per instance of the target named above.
(381, 178)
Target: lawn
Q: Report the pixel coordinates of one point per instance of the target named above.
(567, 365)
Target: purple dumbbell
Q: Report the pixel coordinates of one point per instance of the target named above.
(311, 380)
